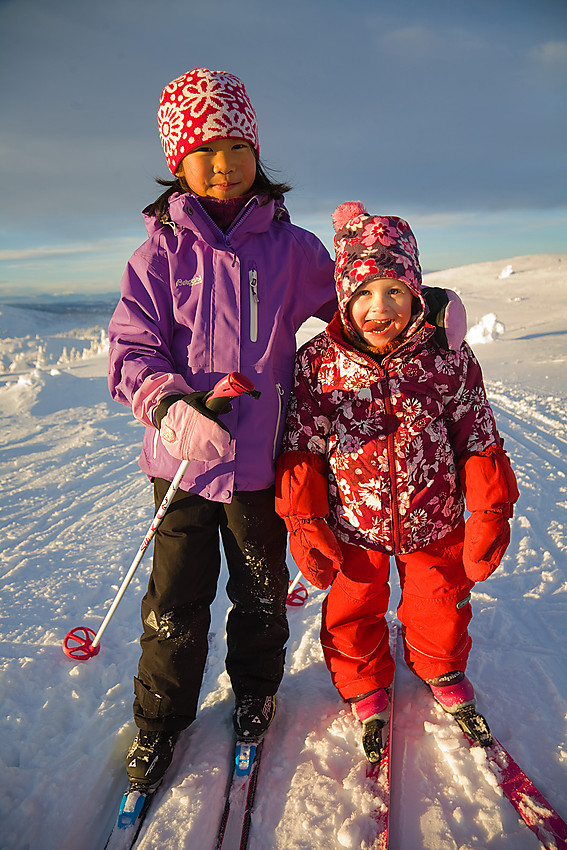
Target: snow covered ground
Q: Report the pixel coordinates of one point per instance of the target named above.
(74, 510)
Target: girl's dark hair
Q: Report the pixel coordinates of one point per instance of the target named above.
(263, 184)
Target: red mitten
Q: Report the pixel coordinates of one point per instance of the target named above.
(315, 550)
(302, 500)
(487, 535)
(490, 489)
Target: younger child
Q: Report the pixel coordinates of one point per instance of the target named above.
(222, 284)
(387, 435)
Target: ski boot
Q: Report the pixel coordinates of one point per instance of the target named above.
(149, 757)
(252, 716)
(373, 711)
(455, 694)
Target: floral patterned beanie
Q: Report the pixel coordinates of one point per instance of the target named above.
(370, 246)
(202, 106)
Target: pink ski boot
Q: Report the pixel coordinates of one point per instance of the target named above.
(455, 694)
(452, 691)
(373, 711)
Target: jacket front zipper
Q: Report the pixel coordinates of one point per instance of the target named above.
(254, 300)
(391, 451)
(390, 442)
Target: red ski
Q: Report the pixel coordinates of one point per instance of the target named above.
(380, 773)
(536, 812)
(529, 802)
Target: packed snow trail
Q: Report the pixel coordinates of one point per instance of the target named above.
(74, 510)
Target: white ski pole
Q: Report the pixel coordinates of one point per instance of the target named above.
(297, 593)
(81, 642)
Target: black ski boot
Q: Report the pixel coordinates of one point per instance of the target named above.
(252, 716)
(374, 739)
(474, 725)
(149, 757)
(373, 711)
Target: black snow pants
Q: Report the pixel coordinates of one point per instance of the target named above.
(183, 584)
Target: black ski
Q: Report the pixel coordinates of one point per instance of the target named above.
(239, 801)
(131, 815)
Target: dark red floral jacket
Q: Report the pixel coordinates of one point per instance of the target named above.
(394, 434)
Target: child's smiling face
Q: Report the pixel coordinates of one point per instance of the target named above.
(380, 310)
(223, 169)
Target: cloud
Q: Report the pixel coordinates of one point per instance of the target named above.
(426, 108)
(420, 42)
(44, 252)
(551, 53)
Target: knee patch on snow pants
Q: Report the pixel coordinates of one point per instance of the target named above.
(435, 630)
(171, 667)
(435, 608)
(354, 634)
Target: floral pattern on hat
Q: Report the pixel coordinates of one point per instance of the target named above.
(368, 247)
(202, 106)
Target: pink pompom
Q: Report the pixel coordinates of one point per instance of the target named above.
(347, 211)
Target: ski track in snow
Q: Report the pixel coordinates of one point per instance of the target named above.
(75, 508)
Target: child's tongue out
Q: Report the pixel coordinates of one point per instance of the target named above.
(374, 326)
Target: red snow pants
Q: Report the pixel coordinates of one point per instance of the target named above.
(434, 610)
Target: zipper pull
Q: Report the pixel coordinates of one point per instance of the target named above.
(228, 244)
(253, 278)
(254, 300)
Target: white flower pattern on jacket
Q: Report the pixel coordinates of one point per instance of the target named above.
(394, 435)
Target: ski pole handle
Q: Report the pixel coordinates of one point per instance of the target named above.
(296, 592)
(232, 386)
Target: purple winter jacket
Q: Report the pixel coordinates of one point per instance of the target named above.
(196, 304)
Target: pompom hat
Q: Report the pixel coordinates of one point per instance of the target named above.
(369, 247)
(202, 106)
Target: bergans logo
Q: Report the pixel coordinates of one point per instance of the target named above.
(193, 282)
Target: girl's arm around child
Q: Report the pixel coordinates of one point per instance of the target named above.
(399, 425)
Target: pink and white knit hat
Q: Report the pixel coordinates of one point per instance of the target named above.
(371, 246)
(201, 106)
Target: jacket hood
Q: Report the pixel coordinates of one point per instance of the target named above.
(186, 211)
(369, 247)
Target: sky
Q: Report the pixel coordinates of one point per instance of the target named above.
(449, 113)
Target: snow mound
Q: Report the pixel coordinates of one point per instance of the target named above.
(487, 330)
(36, 339)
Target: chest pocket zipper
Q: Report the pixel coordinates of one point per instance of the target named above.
(253, 282)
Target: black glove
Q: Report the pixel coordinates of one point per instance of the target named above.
(447, 313)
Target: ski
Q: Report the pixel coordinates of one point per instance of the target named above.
(530, 804)
(380, 773)
(131, 815)
(239, 801)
